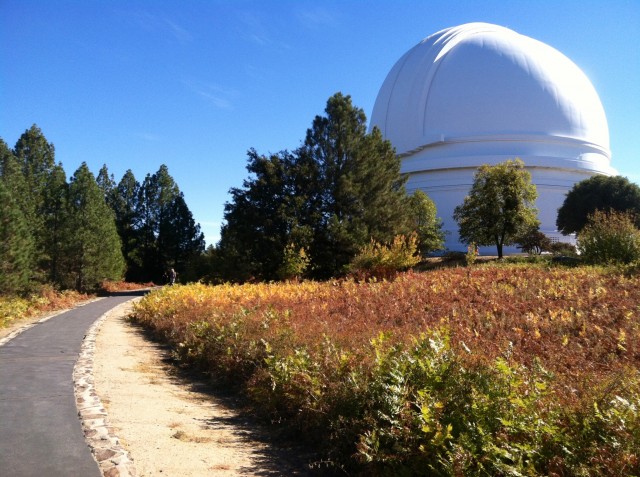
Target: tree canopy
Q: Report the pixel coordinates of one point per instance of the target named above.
(331, 196)
(154, 223)
(92, 249)
(76, 234)
(599, 192)
(427, 224)
(500, 206)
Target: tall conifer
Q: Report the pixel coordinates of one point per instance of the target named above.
(362, 192)
(16, 239)
(126, 206)
(46, 184)
(93, 249)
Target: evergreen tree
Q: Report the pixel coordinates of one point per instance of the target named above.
(362, 194)
(107, 184)
(16, 245)
(182, 239)
(156, 195)
(54, 210)
(261, 218)
(6, 157)
(602, 193)
(16, 240)
(92, 246)
(166, 234)
(12, 175)
(499, 208)
(340, 189)
(125, 203)
(45, 181)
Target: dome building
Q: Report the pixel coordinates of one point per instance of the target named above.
(481, 94)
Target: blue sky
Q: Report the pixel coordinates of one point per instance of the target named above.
(195, 84)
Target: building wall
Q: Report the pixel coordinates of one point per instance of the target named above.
(445, 172)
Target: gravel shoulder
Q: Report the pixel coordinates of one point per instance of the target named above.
(172, 426)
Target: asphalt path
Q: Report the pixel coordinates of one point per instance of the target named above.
(40, 431)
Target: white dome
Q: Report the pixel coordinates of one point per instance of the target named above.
(485, 80)
(481, 94)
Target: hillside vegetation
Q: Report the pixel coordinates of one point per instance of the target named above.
(491, 370)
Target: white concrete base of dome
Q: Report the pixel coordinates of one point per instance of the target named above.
(445, 172)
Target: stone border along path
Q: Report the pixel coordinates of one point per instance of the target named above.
(113, 459)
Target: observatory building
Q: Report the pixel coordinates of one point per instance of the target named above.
(481, 94)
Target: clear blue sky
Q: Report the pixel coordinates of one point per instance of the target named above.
(195, 84)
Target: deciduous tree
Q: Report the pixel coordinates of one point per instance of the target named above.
(499, 207)
(597, 193)
(609, 237)
(426, 223)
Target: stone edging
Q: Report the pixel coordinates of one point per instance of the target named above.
(112, 458)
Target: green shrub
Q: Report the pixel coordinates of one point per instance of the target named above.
(472, 253)
(609, 238)
(564, 249)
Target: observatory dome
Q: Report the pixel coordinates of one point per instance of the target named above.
(481, 94)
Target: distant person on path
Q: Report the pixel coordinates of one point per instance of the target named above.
(172, 276)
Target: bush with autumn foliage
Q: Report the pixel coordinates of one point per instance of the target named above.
(44, 300)
(489, 370)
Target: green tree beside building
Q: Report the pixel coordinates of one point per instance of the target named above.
(500, 206)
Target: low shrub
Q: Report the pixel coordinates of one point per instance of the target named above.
(508, 370)
(46, 299)
(609, 238)
(379, 260)
(110, 286)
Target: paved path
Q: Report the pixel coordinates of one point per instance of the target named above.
(40, 432)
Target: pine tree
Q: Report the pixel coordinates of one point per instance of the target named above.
(167, 236)
(262, 218)
(92, 246)
(181, 236)
(54, 210)
(16, 240)
(362, 194)
(16, 245)
(106, 183)
(339, 190)
(126, 207)
(45, 180)
(156, 195)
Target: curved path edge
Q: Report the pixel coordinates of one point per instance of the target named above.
(112, 458)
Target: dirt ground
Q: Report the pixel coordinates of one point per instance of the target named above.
(173, 426)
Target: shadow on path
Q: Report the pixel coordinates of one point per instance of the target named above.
(280, 455)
